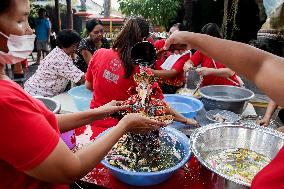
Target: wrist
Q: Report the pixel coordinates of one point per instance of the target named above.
(123, 125)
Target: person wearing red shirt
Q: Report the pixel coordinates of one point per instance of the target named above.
(173, 79)
(110, 72)
(263, 68)
(32, 154)
(213, 72)
(105, 77)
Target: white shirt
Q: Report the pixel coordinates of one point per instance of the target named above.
(53, 74)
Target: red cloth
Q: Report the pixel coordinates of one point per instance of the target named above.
(199, 58)
(271, 176)
(159, 44)
(150, 40)
(178, 66)
(25, 63)
(106, 72)
(29, 133)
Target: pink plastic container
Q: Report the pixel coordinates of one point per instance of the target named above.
(69, 138)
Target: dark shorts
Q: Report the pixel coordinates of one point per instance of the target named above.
(42, 46)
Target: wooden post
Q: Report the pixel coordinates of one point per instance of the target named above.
(57, 17)
(69, 14)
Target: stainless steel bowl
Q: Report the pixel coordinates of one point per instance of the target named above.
(225, 97)
(214, 137)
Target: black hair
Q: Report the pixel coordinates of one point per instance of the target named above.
(91, 24)
(5, 5)
(67, 37)
(41, 10)
(134, 31)
(212, 29)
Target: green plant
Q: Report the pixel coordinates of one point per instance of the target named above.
(159, 12)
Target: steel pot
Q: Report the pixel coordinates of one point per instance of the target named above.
(222, 137)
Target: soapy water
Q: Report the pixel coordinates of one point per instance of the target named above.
(238, 163)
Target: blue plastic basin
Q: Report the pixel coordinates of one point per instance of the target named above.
(151, 178)
(81, 97)
(186, 105)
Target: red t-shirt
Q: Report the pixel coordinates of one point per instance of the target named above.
(106, 72)
(199, 58)
(159, 44)
(28, 134)
(178, 66)
(271, 176)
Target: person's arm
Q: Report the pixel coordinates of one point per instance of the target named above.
(63, 166)
(89, 74)
(81, 81)
(68, 70)
(179, 117)
(165, 73)
(264, 69)
(221, 72)
(89, 85)
(48, 24)
(188, 65)
(272, 106)
(87, 55)
(70, 121)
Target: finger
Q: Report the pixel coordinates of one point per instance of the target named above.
(119, 103)
(168, 43)
(157, 123)
(191, 122)
(121, 107)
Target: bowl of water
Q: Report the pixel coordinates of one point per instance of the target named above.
(225, 97)
(234, 153)
(81, 96)
(169, 137)
(186, 105)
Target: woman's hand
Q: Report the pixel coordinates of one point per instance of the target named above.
(138, 123)
(189, 121)
(178, 38)
(205, 71)
(110, 108)
(187, 66)
(264, 121)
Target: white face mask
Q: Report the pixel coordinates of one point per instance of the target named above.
(20, 47)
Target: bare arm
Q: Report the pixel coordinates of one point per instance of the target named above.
(70, 121)
(272, 106)
(89, 85)
(179, 117)
(165, 73)
(81, 81)
(221, 72)
(63, 166)
(49, 34)
(87, 55)
(253, 63)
